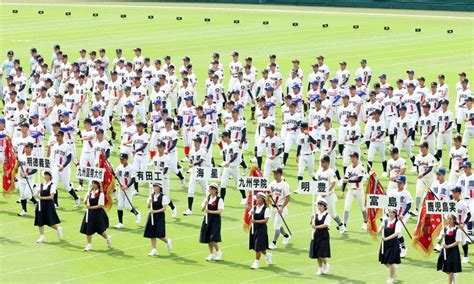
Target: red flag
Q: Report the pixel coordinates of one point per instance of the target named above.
(427, 229)
(254, 172)
(108, 184)
(373, 214)
(10, 168)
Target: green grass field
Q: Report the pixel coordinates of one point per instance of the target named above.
(354, 255)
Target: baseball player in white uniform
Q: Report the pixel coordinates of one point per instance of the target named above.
(61, 166)
(170, 138)
(126, 178)
(274, 148)
(305, 152)
(427, 123)
(198, 160)
(396, 166)
(26, 181)
(405, 205)
(87, 155)
(230, 162)
(325, 174)
(445, 120)
(353, 179)
(376, 129)
(280, 193)
(292, 124)
(140, 141)
(424, 162)
(457, 155)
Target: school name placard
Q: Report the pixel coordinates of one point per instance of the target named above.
(149, 176)
(88, 173)
(38, 163)
(312, 187)
(440, 207)
(206, 173)
(382, 201)
(255, 183)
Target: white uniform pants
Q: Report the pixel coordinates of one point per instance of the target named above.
(291, 138)
(231, 171)
(446, 138)
(460, 114)
(140, 162)
(141, 111)
(260, 145)
(354, 193)
(407, 146)
(453, 178)
(376, 147)
(122, 201)
(64, 177)
(174, 162)
(187, 136)
(24, 188)
(331, 199)
(421, 186)
(468, 134)
(87, 159)
(306, 161)
(192, 185)
(277, 221)
(271, 165)
(341, 135)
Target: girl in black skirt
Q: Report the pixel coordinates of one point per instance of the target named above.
(320, 247)
(95, 219)
(155, 224)
(449, 260)
(389, 253)
(212, 206)
(258, 234)
(45, 212)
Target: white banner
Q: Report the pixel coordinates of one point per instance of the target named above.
(312, 187)
(440, 207)
(149, 176)
(38, 163)
(88, 173)
(383, 201)
(206, 173)
(255, 183)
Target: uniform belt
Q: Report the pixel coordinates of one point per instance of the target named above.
(307, 154)
(70, 143)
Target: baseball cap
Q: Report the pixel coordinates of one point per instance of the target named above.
(141, 124)
(157, 102)
(197, 139)
(401, 179)
(334, 80)
(358, 79)
(235, 53)
(466, 164)
(137, 49)
(35, 115)
(296, 86)
(225, 134)
(2, 120)
(270, 126)
(96, 108)
(410, 71)
(355, 154)
(123, 156)
(383, 76)
(363, 61)
(441, 171)
(209, 96)
(129, 104)
(403, 107)
(278, 170)
(342, 63)
(169, 120)
(457, 189)
(269, 88)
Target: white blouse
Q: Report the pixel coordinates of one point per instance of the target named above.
(258, 209)
(220, 204)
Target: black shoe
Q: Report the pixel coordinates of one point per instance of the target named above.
(114, 135)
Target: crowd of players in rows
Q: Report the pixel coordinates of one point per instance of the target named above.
(78, 101)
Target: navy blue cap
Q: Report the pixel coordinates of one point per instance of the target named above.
(410, 71)
(123, 156)
(296, 86)
(269, 88)
(157, 102)
(225, 133)
(129, 104)
(169, 119)
(401, 179)
(383, 76)
(441, 171)
(96, 108)
(358, 79)
(466, 164)
(2, 120)
(403, 106)
(457, 189)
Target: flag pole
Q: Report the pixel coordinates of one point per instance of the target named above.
(279, 213)
(26, 178)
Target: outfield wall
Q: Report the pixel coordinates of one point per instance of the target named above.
(448, 5)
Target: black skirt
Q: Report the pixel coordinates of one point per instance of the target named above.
(47, 216)
(391, 252)
(157, 230)
(211, 232)
(258, 241)
(98, 222)
(452, 262)
(320, 246)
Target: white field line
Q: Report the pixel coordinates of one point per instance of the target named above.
(191, 254)
(76, 225)
(233, 8)
(92, 255)
(309, 267)
(231, 264)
